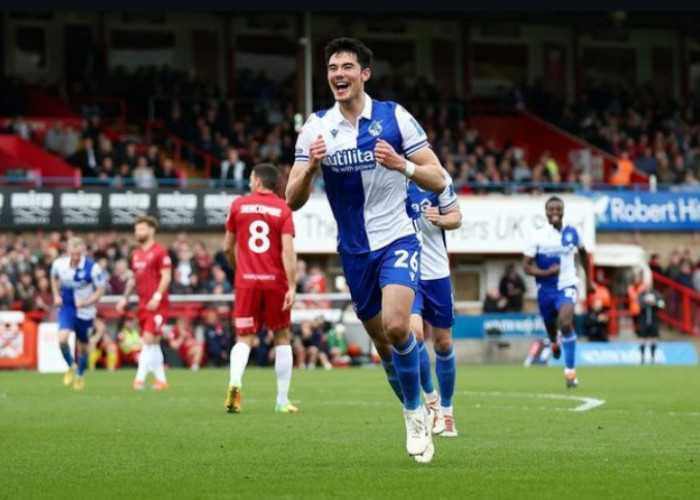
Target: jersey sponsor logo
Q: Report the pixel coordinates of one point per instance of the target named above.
(175, 209)
(139, 265)
(31, 208)
(80, 208)
(375, 128)
(260, 277)
(261, 209)
(350, 160)
(554, 250)
(124, 207)
(244, 322)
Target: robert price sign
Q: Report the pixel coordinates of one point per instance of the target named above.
(625, 211)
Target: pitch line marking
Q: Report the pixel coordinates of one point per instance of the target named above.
(586, 403)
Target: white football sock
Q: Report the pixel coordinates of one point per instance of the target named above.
(446, 410)
(432, 396)
(283, 369)
(239, 360)
(144, 363)
(157, 362)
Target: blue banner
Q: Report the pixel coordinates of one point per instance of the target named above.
(511, 325)
(643, 211)
(627, 353)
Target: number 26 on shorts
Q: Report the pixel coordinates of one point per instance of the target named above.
(402, 257)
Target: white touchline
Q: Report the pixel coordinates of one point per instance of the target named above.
(586, 403)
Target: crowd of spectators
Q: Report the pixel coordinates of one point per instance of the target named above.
(680, 266)
(260, 124)
(257, 120)
(102, 160)
(655, 134)
(204, 339)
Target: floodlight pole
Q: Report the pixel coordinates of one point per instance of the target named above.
(308, 70)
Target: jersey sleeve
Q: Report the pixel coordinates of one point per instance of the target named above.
(164, 261)
(530, 248)
(231, 219)
(413, 138)
(98, 276)
(307, 135)
(571, 236)
(288, 222)
(448, 198)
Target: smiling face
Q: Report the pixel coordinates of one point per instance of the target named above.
(346, 77)
(555, 213)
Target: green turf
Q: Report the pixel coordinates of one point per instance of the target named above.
(349, 439)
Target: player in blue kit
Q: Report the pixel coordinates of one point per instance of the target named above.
(433, 214)
(550, 258)
(367, 150)
(78, 283)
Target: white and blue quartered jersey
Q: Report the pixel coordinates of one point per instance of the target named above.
(367, 200)
(434, 260)
(78, 283)
(549, 246)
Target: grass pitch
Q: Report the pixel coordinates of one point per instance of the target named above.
(518, 437)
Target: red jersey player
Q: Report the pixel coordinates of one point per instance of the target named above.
(151, 274)
(260, 247)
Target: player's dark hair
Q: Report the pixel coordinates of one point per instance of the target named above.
(268, 175)
(552, 199)
(146, 219)
(351, 45)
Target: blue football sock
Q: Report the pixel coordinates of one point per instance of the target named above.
(82, 363)
(446, 369)
(426, 378)
(407, 362)
(388, 365)
(65, 350)
(569, 345)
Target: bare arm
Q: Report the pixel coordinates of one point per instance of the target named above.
(92, 299)
(302, 174)
(128, 290)
(531, 268)
(129, 287)
(299, 185)
(289, 259)
(55, 286)
(451, 219)
(586, 263)
(166, 276)
(165, 279)
(428, 170)
(230, 248)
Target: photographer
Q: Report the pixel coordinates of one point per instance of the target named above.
(650, 302)
(597, 322)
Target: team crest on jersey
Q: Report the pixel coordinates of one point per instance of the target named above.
(80, 275)
(334, 132)
(375, 128)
